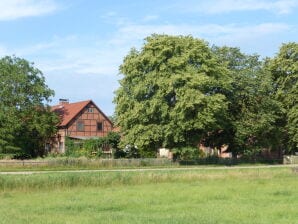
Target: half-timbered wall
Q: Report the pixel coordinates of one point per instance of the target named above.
(89, 122)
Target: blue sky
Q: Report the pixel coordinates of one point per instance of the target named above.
(79, 44)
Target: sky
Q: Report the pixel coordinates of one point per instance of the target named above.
(80, 44)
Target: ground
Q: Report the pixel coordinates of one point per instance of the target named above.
(179, 196)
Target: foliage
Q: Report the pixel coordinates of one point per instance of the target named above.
(177, 92)
(252, 153)
(91, 147)
(171, 93)
(25, 119)
(253, 110)
(94, 147)
(78, 148)
(113, 119)
(113, 139)
(188, 153)
(284, 70)
(131, 151)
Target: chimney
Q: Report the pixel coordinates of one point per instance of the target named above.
(63, 101)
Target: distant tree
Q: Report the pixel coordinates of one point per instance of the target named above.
(172, 93)
(113, 118)
(284, 70)
(25, 118)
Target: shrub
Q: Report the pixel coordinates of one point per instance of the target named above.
(131, 151)
(187, 153)
(92, 147)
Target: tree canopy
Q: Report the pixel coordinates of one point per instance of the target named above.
(171, 94)
(284, 70)
(176, 91)
(253, 111)
(25, 118)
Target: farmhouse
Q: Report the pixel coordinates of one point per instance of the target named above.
(79, 120)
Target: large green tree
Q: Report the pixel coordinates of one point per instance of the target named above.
(284, 70)
(254, 113)
(25, 119)
(172, 93)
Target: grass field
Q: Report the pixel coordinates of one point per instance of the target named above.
(196, 196)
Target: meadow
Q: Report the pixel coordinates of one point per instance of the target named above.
(166, 196)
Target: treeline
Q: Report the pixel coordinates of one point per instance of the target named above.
(178, 92)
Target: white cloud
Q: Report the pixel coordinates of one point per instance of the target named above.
(114, 18)
(150, 18)
(226, 6)
(69, 54)
(65, 55)
(219, 34)
(14, 9)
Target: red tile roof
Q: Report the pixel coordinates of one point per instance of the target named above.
(68, 111)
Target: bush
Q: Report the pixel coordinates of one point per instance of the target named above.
(92, 147)
(22, 155)
(131, 151)
(119, 153)
(87, 148)
(188, 153)
(6, 156)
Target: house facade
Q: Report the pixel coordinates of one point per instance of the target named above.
(79, 120)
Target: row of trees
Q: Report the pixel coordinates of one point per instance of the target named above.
(26, 121)
(177, 92)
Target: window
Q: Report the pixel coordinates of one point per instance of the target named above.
(80, 126)
(90, 110)
(99, 126)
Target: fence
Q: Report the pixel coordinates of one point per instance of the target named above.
(122, 163)
(212, 160)
(88, 163)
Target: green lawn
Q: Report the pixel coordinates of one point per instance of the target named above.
(202, 196)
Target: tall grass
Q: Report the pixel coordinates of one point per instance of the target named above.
(82, 163)
(50, 181)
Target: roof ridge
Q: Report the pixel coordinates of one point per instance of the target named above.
(72, 103)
